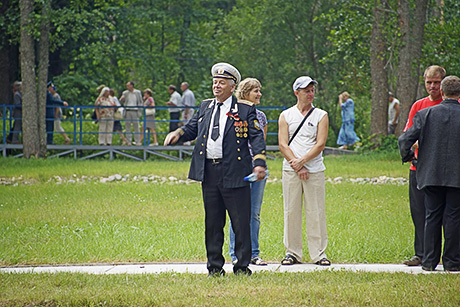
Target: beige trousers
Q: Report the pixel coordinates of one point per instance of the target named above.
(312, 192)
(105, 131)
(132, 118)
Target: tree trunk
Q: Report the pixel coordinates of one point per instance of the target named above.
(409, 56)
(34, 92)
(30, 125)
(43, 63)
(379, 76)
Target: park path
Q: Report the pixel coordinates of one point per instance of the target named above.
(200, 268)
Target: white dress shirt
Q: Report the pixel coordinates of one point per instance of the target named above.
(214, 148)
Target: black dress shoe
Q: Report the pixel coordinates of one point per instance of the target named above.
(216, 273)
(428, 268)
(241, 271)
(452, 269)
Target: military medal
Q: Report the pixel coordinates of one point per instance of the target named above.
(233, 116)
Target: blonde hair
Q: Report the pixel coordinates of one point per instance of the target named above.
(103, 90)
(345, 94)
(434, 71)
(245, 87)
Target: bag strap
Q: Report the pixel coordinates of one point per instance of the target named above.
(300, 126)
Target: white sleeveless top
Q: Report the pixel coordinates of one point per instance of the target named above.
(305, 138)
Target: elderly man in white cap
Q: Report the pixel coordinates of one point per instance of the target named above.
(302, 137)
(223, 127)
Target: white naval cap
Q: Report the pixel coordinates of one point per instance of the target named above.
(226, 71)
(303, 82)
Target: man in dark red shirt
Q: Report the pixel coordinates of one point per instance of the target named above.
(433, 76)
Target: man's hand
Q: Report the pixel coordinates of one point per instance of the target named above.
(260, 172)
(303, 174)
(66, 104)
(171, 138)
(296, 164)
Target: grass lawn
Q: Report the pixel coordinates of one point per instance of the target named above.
(83, 220)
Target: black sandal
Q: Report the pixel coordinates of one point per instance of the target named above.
(323, 262)
(289, 260)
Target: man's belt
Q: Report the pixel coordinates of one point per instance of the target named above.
(214, 160)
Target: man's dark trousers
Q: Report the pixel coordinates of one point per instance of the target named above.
(417, 211)
(442, 208)
(217, 200)
(174, 124)
(49, 130)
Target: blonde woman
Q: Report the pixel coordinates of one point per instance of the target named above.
(105, 116)
(347, 135)
(249, 89)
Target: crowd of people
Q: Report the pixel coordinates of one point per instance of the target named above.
(230, 145)
(110, 113)
(229, 129)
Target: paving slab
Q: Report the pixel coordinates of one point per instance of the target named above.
(200, 268)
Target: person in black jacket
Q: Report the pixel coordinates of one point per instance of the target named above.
(437, 130)
(221, 160)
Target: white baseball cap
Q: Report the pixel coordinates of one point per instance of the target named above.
(303, 82)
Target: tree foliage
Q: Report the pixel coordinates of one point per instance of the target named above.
(158, 42)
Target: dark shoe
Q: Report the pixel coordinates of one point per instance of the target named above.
(289, 260)
(216, 273)
(323, 262)
(414, 261)
(241, 271)
(452, 269)
(426, 268)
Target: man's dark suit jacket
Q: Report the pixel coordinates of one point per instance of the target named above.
(437, 130)
(51, 101)
(236, 160)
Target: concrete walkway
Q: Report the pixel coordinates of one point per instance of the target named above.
(200, 268)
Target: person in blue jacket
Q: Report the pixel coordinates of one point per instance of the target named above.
(347, 135)
(50, 103)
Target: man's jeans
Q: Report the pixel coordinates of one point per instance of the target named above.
(257, 194)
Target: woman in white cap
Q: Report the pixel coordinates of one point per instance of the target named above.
(249, 89)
